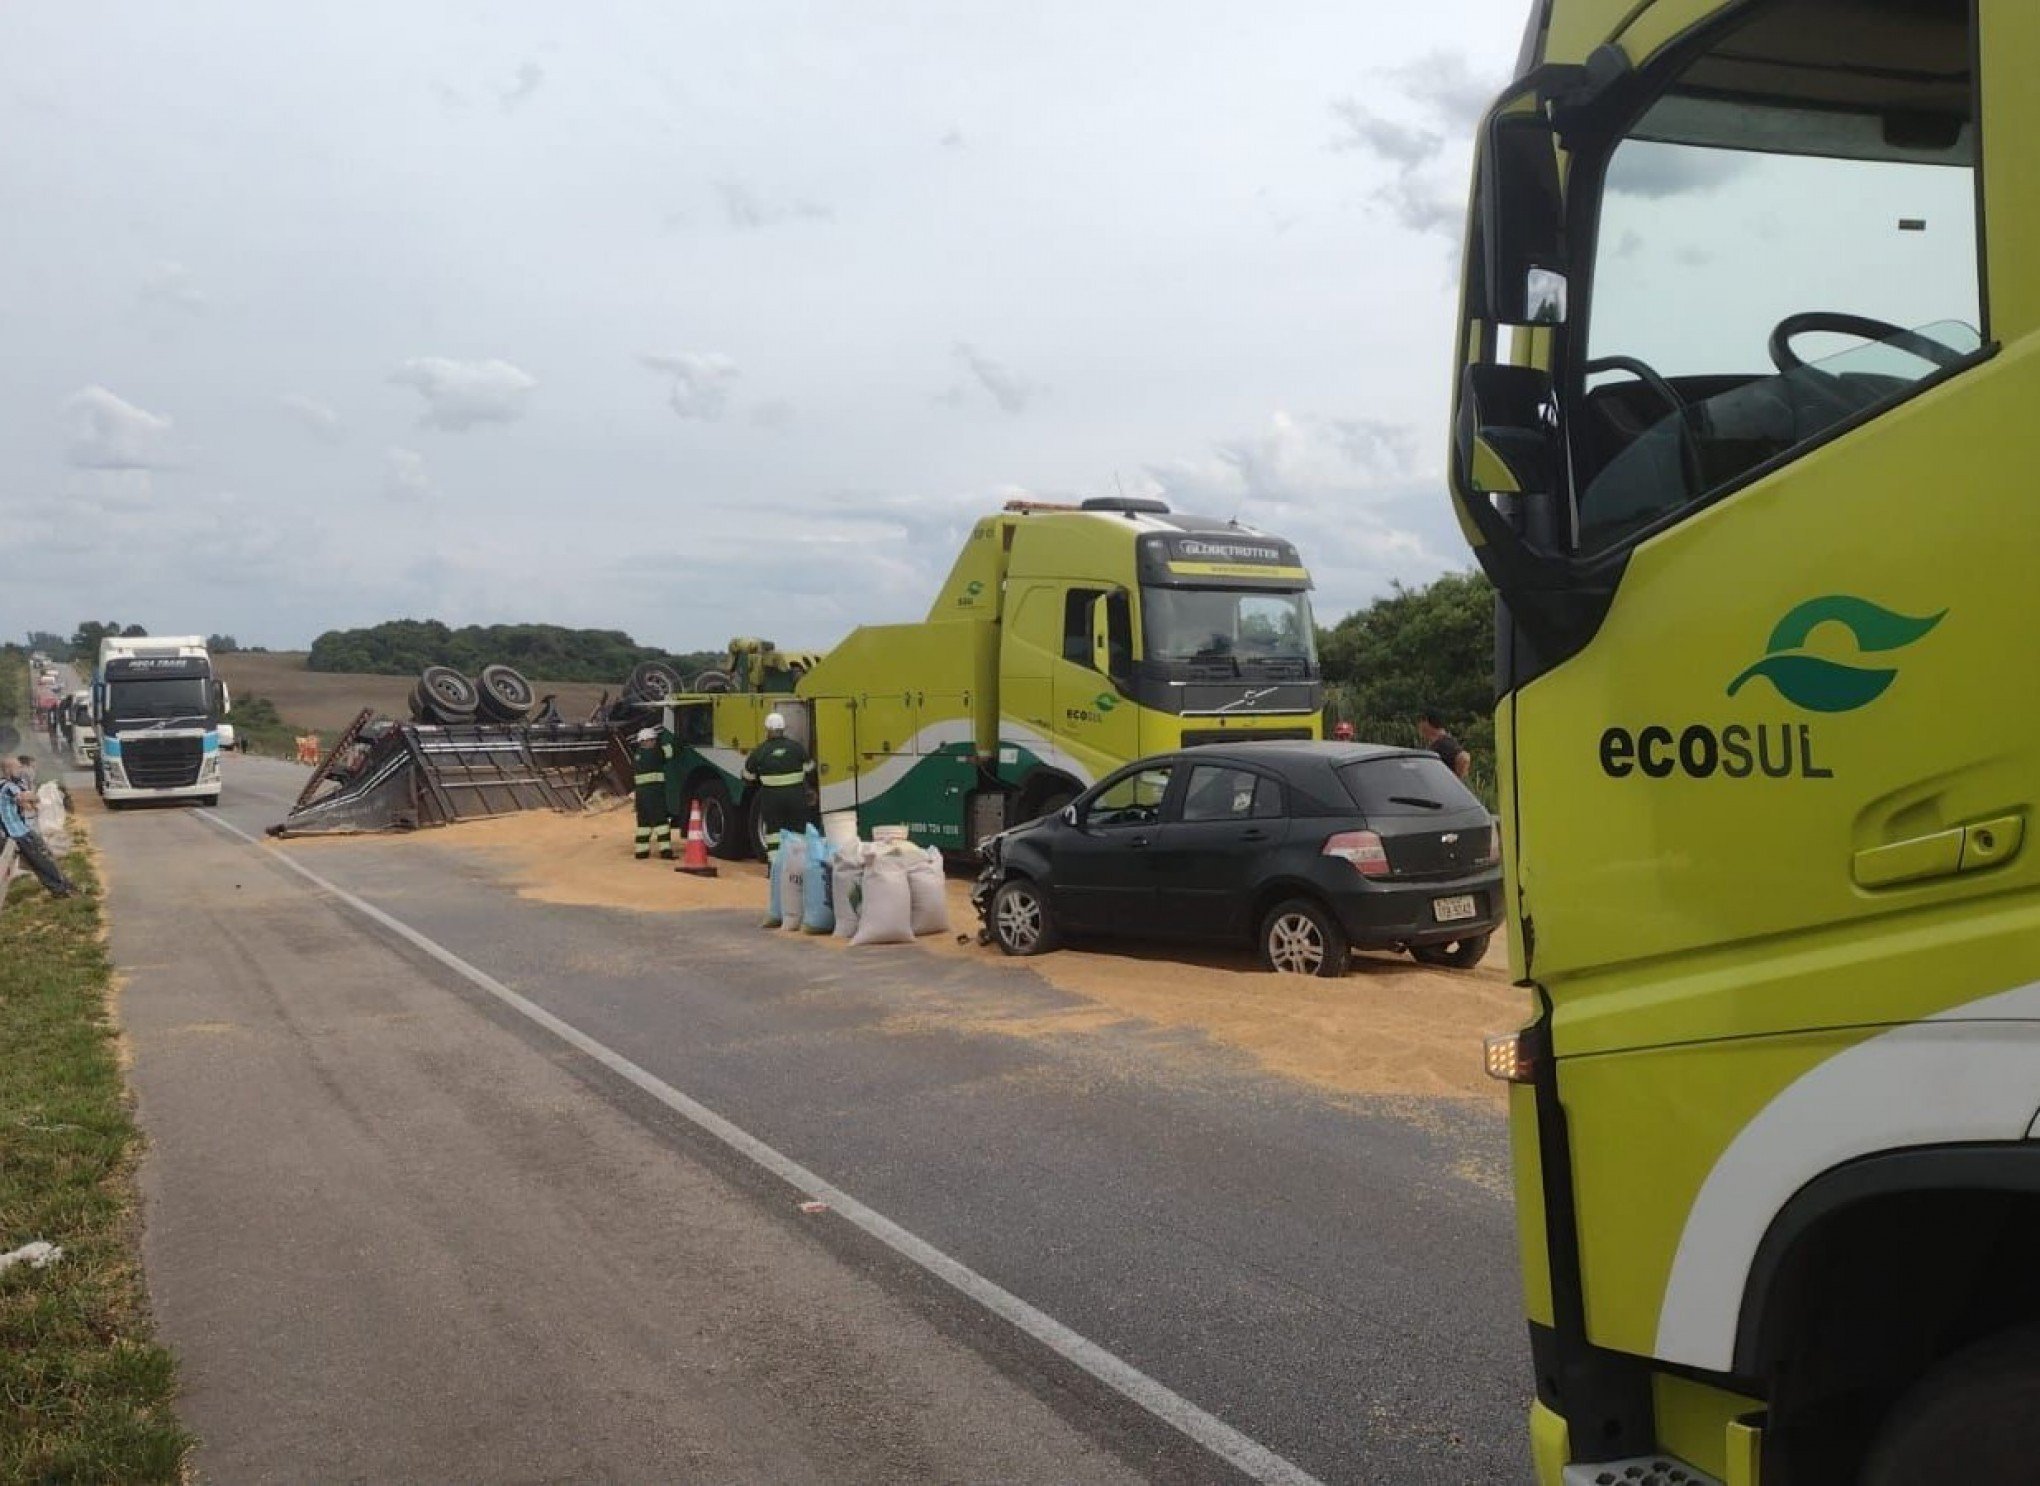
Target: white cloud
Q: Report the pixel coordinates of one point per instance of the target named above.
(777, 415)
(316, 416)
(529, 76)
(405, 478)
(460, 394)
(1011, 391)
(701, 380)
(1355, 495)
(168, 286)
(110, 433)
(1445, 83)
(745, 209)
(1427, 192)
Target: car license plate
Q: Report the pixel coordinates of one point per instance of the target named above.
(1452, 910)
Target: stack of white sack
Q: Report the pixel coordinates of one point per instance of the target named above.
(888, 892)
(51, 819)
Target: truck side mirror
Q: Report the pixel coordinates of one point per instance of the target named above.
(1522, 221)
(222, 702)
(1507, 433)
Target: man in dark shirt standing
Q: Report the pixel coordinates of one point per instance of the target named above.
(1431, 728)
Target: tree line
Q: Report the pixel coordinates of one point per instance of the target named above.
(1417, 648)
(549, 652)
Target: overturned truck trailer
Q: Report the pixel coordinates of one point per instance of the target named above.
(385, 775)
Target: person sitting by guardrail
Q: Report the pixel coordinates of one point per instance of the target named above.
(17, 809)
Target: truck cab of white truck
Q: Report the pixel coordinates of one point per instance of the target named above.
(80, 736)
(157, 707)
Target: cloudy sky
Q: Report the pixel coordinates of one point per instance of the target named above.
(696, 320)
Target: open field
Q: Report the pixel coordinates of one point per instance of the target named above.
(328, 701)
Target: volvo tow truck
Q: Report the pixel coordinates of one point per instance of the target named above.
(1067, 640)
(1751, 323)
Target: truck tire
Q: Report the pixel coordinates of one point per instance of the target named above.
(652, 681)
(504, 695)
(1045, 796)
(1300, 937)
(1974, 1419)
(448, 696)
(1460, 954)
(725, 830)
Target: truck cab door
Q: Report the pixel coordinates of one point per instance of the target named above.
(1757, 519)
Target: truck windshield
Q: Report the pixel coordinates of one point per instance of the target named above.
(160, 700)
(1249, 628)
(1827, 255)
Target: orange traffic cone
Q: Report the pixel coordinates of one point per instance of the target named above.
(694, 860)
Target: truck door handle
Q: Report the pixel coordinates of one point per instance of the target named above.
(1966, 848)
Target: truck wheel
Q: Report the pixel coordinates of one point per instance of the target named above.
(1974, 1419)
(1045, 799)
(1299, 937)
(449, 696)
(651, 681)
(504, 695)
(722, 824)
(1022, 921)
(1460, 954)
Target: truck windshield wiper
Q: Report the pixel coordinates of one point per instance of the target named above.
(1416, 800)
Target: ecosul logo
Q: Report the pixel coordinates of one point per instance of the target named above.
(1811, 682)
(1101, 704)
(1822, 685)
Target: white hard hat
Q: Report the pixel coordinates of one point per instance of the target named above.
(648, 735)
(774, 723)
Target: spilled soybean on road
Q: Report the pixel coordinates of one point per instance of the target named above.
(445, 1183)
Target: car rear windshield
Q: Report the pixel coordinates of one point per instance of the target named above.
(1405, 784)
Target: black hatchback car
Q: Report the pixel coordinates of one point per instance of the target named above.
(1306, 850)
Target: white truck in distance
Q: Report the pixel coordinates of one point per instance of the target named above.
(158, 708)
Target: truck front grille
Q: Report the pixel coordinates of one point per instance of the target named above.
(162, 763)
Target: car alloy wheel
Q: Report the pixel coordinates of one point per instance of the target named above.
(1020, 919)
(1300, 938)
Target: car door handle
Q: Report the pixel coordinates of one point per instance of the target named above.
(1138, 843)
(1256, 834)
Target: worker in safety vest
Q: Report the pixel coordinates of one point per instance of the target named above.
(654, 810)
(779, 767)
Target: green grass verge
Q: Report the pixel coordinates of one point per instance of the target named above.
(85, 1392)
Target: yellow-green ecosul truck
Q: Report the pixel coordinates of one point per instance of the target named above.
(1750, 351)
(1068, 640)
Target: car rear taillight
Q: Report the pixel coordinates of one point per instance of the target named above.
(1361, 848)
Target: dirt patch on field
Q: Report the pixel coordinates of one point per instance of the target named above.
(330, 700)
(1391, 1027)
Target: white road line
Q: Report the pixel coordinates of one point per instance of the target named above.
(1221, 1439)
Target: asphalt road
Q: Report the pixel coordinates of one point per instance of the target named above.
(396, 1230)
